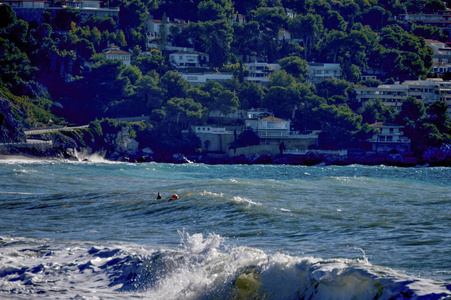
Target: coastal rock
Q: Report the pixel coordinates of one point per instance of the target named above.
(147, 151)
(11, 131)
(438, 155)
(395, 158)
(124, 142)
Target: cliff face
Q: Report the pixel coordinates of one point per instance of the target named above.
(11, 130)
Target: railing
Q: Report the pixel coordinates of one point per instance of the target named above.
(27, 144)
(39, 131)
(304, 152)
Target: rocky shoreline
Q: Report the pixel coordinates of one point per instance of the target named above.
(82, 145)
(437, 157)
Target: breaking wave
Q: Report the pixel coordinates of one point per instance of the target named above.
(202, 267)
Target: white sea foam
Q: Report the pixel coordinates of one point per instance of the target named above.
(238, 199)
(207, 193)
(204, 267)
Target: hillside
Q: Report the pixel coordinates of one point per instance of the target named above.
(54, 71)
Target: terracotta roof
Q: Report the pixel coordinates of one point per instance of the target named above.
(271, 118)
(433, 41)
(382, 124)
(114, 51)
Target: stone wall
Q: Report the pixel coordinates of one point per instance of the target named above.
(257, 150)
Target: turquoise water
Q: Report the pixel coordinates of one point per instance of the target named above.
(95, 229)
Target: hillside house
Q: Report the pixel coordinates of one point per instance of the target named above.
(214, 139)
(390, 137)
(441, 20)
(78, 4)
(442, 56)
(320, 71)
(393, 95)
(153, 26)
(114, 52)
(184, 59)
(271, 130)
(32, 10)
(261, 69)
(26, 3)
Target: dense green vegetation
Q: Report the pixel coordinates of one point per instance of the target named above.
(55, 72)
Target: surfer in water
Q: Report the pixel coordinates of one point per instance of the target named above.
(159, 196)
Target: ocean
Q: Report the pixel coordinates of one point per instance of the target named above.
(95, 230)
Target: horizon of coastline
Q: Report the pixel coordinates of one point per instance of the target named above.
(228, 161)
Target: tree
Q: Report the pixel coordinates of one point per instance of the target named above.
(15, 67)
(211, 37)
(163, 38)
(102, 87)
(147, 90)
(412, 110)
(349, 10)
(271, 19)
(173, 85)
(299, 6)
(413, 58)
(250, 95)
(245, 39)
(7, 16)
(200, 96)
(213, 10)
(376, 111)
(284, 101)
(376, 16)
(437, 114)
(332, 45)
(341, 128)
(333, 20)
(281, 78)
(184, 111)
(307, 28)
(429, 32)
(132, 16)
(227, 102)
(334, 87)
(435, 6)
(154, 62)
(295, 66)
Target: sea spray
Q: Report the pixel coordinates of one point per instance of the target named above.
(96, 230)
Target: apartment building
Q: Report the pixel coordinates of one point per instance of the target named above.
(393, 95)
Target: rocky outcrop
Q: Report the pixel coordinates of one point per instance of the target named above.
(438, 156)
(11, 130)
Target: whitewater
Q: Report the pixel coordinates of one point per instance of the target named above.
(95, 230)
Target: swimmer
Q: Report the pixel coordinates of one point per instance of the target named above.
(159, 196)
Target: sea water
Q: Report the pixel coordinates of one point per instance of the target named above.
(95, 230)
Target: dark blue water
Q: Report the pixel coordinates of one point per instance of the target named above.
(236, 232)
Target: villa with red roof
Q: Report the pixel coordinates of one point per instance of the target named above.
(114, 52)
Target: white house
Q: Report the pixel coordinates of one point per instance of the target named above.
(153, 26)
(271, 130)
(261, 69)
(442, 56)
(114, 52)
(77, 4)
(203, 78)
(393, 95)
(183, 59)
(390, 137)
(258, 113)
(320, 71)
(26, 3)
